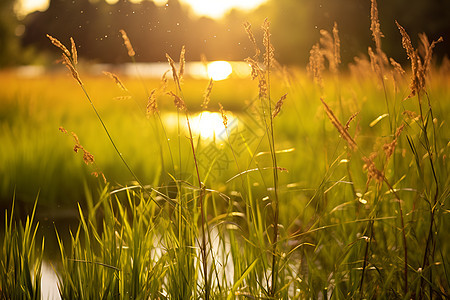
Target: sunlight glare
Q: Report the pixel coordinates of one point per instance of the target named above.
(218, 8)
(209, 125)
(219, 70)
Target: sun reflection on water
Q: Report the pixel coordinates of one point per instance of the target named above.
(208, 125)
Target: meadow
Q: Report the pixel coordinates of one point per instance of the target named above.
(331, 183)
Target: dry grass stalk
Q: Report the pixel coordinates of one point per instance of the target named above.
(374, 62)
(258, 73)
(97, 174)
(397, 67)
(372, 170)
(182, 63)
(375, 26)
(87, 156)
(248, 29)
(411, 115)
(224, 116)
(116, 80)
(69, 59)
(206, 94)
(152, 105)
(269, 56)
(352, 117)
(316, 65)
(179, 102)
(419, 69)
(58, 44)
(127, 43)
(390, 147)
(68, 63)
(74, 51)
(278, 106)
(164, 82)
(342, 130)
(415, 85)
(337, 45)
(428, 52)
(174, 70)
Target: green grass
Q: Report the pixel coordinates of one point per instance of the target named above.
(195, 219)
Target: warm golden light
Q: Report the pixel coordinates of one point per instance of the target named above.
(218, 8)
(219, 70)
(209, 125)
(214, 9)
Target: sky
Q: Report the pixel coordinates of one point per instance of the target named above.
(211, 8)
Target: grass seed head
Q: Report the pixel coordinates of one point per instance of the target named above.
(182, 62)
(316, 65)
(337, 45)
(270, 52)
(341, 129)
(224, 116)
(372, 171)
(152, 105)
(277, 108)
(74, 51)
(58, 44)
(375, 25)
(390, 147)
(248, 29)
(116, 80)
(179, 102)
(174, 70)
(127, 43)
(206, 94)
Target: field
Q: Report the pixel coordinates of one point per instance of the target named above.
(339, 189)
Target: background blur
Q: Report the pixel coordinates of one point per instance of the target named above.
(159, 27)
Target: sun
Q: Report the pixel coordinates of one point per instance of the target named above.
(218, 8)
(219, 70)
(210, 8)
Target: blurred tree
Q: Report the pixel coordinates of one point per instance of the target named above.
(9, 42)
(155, 30)
(296, 25)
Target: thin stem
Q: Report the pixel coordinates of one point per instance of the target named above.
(115, 147)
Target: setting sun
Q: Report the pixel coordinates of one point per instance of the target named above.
(213, 9)
(218, 8)
(219, 70)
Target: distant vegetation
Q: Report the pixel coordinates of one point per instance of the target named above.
(160, 29)
(333, 184)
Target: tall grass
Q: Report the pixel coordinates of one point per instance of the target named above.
(325, 192)
(21, 259)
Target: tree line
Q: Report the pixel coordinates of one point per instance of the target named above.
(155, 30)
